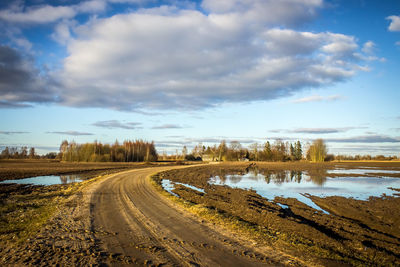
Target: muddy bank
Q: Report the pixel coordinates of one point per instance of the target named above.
(355, 232)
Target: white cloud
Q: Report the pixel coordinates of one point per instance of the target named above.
(173, 58)
(62, 32)
(341, 44)
(22, 43)
(40, 14)
(73, 133)
(394, 24)
(113, 124)
(169, 58)
(284, 12)
(369, 47)
(317, 98)
(91, 6)
(167, 126)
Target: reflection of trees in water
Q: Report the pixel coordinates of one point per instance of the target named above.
(296, 176)
(222, 178)
(267, 177)
(318, 176)
(235, 178)
(253, 170)
(281, 177)
(66, 179)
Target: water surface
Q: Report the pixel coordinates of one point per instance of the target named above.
(369, 171)
(169, 186)
(48, 180)
(296, 184)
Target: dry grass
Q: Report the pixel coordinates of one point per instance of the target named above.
(24, 210)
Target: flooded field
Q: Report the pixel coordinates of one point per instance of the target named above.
(346, 213)
(48, 180)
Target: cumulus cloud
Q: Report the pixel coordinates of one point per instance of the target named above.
(284, 12)
(394, 24)
(73, 133)
(20, 80)
(164, 58)
(172, 58)
(113, 124)
(369, 47)
(62, 32)
(317, 98)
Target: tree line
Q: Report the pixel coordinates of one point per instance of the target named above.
(139, 151)
(18, 153)
(363, 157)
(128, 151)
(234, 151)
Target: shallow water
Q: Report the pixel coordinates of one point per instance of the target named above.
(169, 186)
(47, 180)
(363, 171)
(294, 184)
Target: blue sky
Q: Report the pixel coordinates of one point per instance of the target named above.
(184, 72)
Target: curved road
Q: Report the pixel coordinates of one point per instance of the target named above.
(136, 225)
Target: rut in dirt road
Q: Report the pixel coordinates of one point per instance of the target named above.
(135, 225)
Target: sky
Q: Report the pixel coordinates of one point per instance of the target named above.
(188, 72)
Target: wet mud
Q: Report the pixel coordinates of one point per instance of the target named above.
(355, 232)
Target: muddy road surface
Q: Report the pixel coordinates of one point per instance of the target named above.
(133, 223)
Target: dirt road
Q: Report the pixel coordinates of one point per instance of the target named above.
(137, 225)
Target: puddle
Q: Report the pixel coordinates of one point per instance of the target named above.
(47, 180)
(282, 206)
(295, 184)
(169, 186)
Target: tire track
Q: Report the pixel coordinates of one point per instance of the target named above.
(140, 226)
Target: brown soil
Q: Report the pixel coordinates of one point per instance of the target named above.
(356, 233)
(148, 229)
(121, 219)
(18, 169)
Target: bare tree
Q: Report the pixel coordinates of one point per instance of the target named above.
(317, 151)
